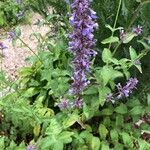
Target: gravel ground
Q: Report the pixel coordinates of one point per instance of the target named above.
(14, 57)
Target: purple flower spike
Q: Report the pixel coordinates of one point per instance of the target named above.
(81, 45)
(31, 147)
(138, 30)
(127, 89)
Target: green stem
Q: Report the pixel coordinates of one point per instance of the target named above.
(136, 13)
(116, 19)
(30, 49)
(116, 48)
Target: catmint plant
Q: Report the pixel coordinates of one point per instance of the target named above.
(82, 20)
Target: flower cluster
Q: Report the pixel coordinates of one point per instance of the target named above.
(137, 30)
(31, 147)
(66, 104)
(81, 45)
(123, 91)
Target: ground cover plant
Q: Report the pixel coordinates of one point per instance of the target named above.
(81, 93)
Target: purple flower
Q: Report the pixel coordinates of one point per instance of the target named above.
(18, 1)
(20, 14)
(31, 147)
(63, 104)
(137, 62)
(137, 30)
(82, 42)
(78, 103)
(2, 46)
(127, 89)
(110, 98)
(11, 35)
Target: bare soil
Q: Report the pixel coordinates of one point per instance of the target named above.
(14, 56)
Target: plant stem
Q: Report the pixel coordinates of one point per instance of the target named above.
(116, 19)
(116, 49)
(136, 13)
(30, 49)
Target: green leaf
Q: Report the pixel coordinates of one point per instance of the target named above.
(106, 55)
(114, 135)
(102, 131)
(112, 39)
(136, 110)
(119, 120)
(31, 92)
(65, 137)
(113, 29)
(54, 129)
(128, 37)
(133, 53)
(104, 146)
(118, 146)
(134, 57)
(146, 46)
(127, 140)
(143, 145)
(72, 118)
(103, 92)
(26, 71)
(95, 143)
(148, 99)
(121, 109)
(91, 90)
(58, 145)
(107, 112)
(2, 144)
